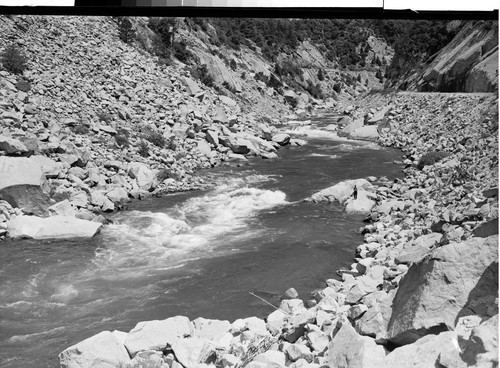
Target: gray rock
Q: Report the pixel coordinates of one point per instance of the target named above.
(451, 282)
(192, 350)
(282, 139)
(210, 328)
(103, 350)
(63, 208)
(146, 178)
(350, 127)
(368, 133)
(56, 227)
(192, 87)
(12, 146)
(481, 349)
(21, 181)
(299, 351)
(155, 335)
(424, 352)
(348, 349)
(118, 195)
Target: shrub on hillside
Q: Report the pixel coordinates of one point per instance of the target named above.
(123, 132)
(232, 64)
(181, 52)
(13, 59)
(431, 158)
(104, 116)
(227, 86)
(261, 77)
(321, 75)
(274, 82)
(314, 90)
(143, 149)
(81, 129)
(126, 33)
(204, 77)
(122, 141)
(157, 139)
(164, 174)
(23, 85)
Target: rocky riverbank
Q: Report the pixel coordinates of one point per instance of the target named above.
(423, 290)
(92, 124)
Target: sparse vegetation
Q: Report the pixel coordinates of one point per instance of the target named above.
(126, 32)
(314, 90)
(104, 116)
(143, 148)
(81, 129)
(201, 74)
(157, 139)
(122, 141)
(431, 158)
(13, 59)
(23, 85)
(321, 75)
(181, 52)
(123, 132)
(164, 174)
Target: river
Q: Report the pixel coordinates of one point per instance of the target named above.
(195, 254)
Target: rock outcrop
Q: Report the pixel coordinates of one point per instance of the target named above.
(469, 63)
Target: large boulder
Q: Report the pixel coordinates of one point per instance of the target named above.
(56, 227)
(50, 168)
(376, 319)
(145, 177)
(156, 335)
(350, 127)
(192, 87)
(342, 191)
(12, 146)
(21, 181)
(361, 204)
(282, 139)
(103, 350)
(118, 195)
(481, 350)
(455, 280)
(348, 349)
(210, 328)
(366, 133)
(192, 351)
(424, 352)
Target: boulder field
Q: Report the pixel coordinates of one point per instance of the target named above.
(422, 292)
(96, 123)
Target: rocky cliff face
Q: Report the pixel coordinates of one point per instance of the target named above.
(469, 63)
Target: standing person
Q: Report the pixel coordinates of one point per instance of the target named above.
(355, 192)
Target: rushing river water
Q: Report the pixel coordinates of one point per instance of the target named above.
(193, 254)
